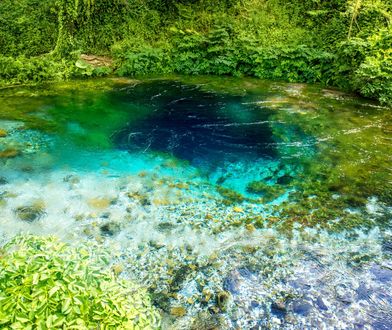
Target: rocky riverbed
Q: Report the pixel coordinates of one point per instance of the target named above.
(298, 238)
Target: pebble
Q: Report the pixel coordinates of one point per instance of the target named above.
(322, 303)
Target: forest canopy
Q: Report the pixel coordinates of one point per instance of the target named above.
(342, 43)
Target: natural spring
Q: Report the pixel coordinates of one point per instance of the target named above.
(238, 203)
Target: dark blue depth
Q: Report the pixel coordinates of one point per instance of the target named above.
(201, 127)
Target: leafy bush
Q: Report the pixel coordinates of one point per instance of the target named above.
(27, 27)
(18, 70)
(21, 70)
(297, 64)
(46, 284)
(145, 61)
(374, 77)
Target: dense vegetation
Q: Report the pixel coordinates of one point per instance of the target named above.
(46, 284)
(343, 43)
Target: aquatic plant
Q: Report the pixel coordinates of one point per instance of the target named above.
(269, 192)
(230, 196)
(47, 284)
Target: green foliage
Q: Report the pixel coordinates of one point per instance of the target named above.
(330, 42)
(27, 27)
(82, 69)
(46, 284)
(146, 60)
(297, 64)
(213, 53)
(19, 70)
(373, 78)
(95, 25)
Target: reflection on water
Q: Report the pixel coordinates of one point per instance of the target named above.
(237, 203)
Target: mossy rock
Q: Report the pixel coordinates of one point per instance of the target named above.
(110, 229)
(10, 153)
(269, 193)
(100, 203)
(30, 213)
(178, 311)
(230, 195)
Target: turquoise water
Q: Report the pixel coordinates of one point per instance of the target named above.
(249, 204)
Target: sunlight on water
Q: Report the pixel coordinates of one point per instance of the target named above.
(243, 203)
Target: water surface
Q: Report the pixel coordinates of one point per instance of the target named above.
(244, 203)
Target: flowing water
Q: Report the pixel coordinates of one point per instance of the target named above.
(238, 203)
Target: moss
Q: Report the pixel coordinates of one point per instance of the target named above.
(268, 192)
(349, 166)
(99, 203)
(110, 228)
(230, 196)
(178, 311)
(10, 153)
(30, 213)
(222, 300)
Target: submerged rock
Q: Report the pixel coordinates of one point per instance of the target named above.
(72, 179)
(178, 311)
(322, 303)
(381, 273)
(285, 179)
(230, 195)
(3, 133)
(110, 229)
(99, 203)
(30, 213)
(222, 299)
(268, 192)
(302, 307)
(10, 153)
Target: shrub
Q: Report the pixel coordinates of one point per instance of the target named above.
(21, 70)
(374, 77)
(146, 60)
(294, 64)
(47, 284)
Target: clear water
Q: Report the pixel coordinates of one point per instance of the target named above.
(249, 204)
